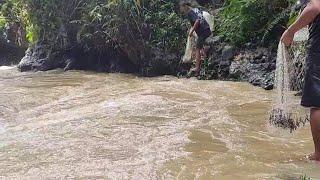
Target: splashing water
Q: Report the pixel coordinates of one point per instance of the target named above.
(280, 115)
(282, 77)
(283, 115)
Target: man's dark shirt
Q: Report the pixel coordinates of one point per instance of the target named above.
(196, 14)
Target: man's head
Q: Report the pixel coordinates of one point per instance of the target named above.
(185, 7)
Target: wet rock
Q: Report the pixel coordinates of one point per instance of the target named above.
(39, 58)
(268, 80)
(70, 64)
(238, 70)
(225, 63)
(254, 66)
(213, 40)
(259, 52)
(160, 63)
(299, 93)
(255, 80)
(228, 52)
(224, 68)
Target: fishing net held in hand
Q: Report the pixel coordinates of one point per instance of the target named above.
(286, 113)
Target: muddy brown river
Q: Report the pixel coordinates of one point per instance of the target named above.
(85, 125)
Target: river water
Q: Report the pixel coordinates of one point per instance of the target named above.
(83, 125)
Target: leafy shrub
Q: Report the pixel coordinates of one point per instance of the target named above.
(2, 23)
(124, 23)
(135, 23)
(243, 21)
(42, 19)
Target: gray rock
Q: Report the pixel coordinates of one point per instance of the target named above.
(39, 58)
(239, 70)
(213, 40)
(228, 52)
(70, 64)
(257, 72)
(160, 63)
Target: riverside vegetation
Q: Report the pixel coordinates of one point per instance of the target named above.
(146, 37)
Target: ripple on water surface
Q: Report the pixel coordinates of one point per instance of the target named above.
(87, 125)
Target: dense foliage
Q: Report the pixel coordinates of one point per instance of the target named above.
(132, 26)
(140, 23)
(126, 22)
(140, 30)
(243, 21)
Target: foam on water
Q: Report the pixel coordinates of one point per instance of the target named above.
(6, 67)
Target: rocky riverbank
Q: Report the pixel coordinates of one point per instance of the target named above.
(149, 39)
(250, 63)
(39, 58)
(224, 62)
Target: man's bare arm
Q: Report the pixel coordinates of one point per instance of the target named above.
(316, 3)
(305, 18)
(195, 26)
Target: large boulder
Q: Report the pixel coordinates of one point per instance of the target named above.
(228, 53)
(255, 66)
(40, 58)
(218, 61)
(159, 63)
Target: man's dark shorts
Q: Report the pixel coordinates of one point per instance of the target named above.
(202, 39)
(311, 90)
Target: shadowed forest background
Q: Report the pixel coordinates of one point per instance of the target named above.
(143, 37)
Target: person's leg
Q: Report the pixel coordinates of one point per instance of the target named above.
(198, 60)
(315, 129)
(205, 50)
(199, 47)
(204, 47)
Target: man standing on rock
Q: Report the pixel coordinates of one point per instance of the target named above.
(200, 26)
(311, 91)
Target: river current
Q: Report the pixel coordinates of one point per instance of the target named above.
(85, 125)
